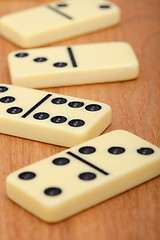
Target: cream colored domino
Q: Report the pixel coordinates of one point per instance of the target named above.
(58, 20)
(50, 117)
(64, 184)
(72, 65)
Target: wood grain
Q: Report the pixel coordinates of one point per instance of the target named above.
(134, 214)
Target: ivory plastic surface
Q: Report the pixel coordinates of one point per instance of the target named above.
(50, 117)
(58, 20)
(73, 65)
(78, 178)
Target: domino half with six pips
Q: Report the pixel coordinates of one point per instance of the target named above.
(58, 20)
(78, 178)
(50, 117)
(73, 65)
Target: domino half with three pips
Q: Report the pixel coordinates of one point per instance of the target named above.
(58, 20)
(73, 65)
(50, 117)
(78, 178)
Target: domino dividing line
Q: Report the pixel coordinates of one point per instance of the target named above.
(70, 52)
(87, 163)
(36, 105)
(59, 12)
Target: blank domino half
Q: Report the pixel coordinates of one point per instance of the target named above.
(72, 65)
(78, 178)
(50, 117)
(58, 20)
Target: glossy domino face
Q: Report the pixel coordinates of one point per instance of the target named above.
(50, 117)
(58, 20)
(78, 178)
(73, 65)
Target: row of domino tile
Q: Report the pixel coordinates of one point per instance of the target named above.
(71, 181)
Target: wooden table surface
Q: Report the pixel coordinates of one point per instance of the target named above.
(134, 214)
